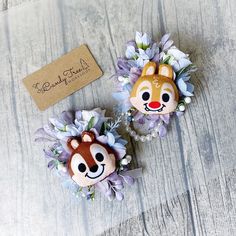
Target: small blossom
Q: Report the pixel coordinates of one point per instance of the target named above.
(130, 52)
(143, 41)
(185, 87)
(178, 60)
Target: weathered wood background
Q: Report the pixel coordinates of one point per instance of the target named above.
(189, 181)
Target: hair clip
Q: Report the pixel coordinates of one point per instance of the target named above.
(88, 153)
(152, 84)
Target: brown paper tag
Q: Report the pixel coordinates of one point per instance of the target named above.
(62, 77)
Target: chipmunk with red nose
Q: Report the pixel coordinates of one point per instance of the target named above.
(90, 161)
(155, 93)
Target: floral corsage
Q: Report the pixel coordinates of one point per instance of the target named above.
(152, 84)
(88, 153)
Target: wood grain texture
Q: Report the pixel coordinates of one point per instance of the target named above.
(189, 181)
(7, 4)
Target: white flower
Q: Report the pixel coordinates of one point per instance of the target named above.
(178, 60)
(176, 53)
(142, 54)
(149, 53)
(138, 39)
(130, 52)
(141, 62)
(142, 41)
(96, 113)
(124, 80)
(146, 40)
(152, 51)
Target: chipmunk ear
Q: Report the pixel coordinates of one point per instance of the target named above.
(166, 70)
(149, 69)
(73, 143)
(87, 136)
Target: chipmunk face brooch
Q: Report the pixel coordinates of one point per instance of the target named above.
(88, 153)
(90, 161)
(155, 93)
(152, 85)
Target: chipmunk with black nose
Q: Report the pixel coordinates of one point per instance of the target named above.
(90, 161)
(155, 93)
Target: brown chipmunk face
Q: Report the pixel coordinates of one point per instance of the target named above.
(155, 93)
(90, 161)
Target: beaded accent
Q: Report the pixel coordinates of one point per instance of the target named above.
(135, 135)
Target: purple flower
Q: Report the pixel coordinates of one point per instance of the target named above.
(135, 73)
(123, 67)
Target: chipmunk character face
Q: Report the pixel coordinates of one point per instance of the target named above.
(155, 93)
(90, 161)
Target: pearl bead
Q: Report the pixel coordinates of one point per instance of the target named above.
(124, 162)
(156, 128)
(128, 129)
(61, 167)
(120, 78)
(132, 133)
(128, 158)
(143, 138)
(181, 107)
(154, 134)
(187, 100)
(149, 137)
(136, 138)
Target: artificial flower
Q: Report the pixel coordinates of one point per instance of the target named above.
(72, 124)
(139, 52)
(142, 41)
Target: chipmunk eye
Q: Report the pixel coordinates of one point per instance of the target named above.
(145, 96)
(165, 97)
(99, 157)
(82, 167)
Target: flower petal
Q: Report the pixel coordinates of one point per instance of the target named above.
(167, 45)
(165, 38)
(119, 196)
(102, 139)
(176, 53)
(130, 52)
(110, 139)
(162, 131)
(68, 117)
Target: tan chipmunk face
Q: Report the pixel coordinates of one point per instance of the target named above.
(155, 93)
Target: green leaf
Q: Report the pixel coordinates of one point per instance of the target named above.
(103, 128)
(185, 69)
(91, 123)
(93, 196)
(165, 61)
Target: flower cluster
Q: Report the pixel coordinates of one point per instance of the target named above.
(129, 68)
(72, 124)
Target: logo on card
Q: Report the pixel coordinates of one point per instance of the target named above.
(62, 77)
(67, 76)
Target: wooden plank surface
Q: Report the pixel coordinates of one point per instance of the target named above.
(189, 181)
